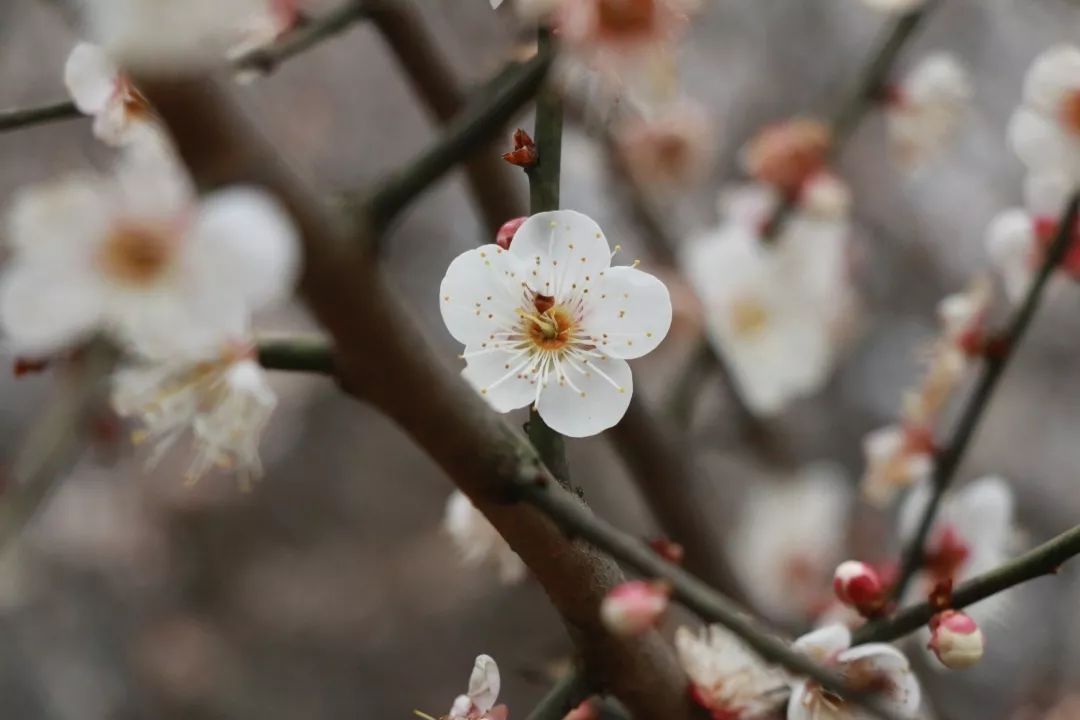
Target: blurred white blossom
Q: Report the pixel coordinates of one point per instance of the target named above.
(137, 255)
(101, 90)
(726, 677)
(478, 541)
(674, 149)
(550, 323)
(1045, 130)
(927, 107)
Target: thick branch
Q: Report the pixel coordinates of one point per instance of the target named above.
(490, 180)
(382, 358)
(1043, 560)
(948, 459)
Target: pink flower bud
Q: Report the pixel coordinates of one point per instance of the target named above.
(956, 640)
(633, 607)
(587, 710)
(859, 586)
(506, 233)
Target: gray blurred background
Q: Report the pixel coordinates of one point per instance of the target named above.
(330, 590)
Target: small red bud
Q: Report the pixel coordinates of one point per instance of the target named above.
(673, 552)
(524, 153)
(940, 597)
(956, 640)
(859, 586)
(634, 607)
(29, 366)
(506, 233)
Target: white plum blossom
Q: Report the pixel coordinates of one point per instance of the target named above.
(774, 310)
(876, 668)
(1045, 130)
(137, 255)
(896, 457)
(726, 678)
(101, 90)
(478, 541)
(789, 538)
(225, 403)
(479, 702)
(550, 323)
(927, 107)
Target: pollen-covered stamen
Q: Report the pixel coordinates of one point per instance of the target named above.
(136, 254)
(749, 317)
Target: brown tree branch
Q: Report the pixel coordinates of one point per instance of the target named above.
(382, 358)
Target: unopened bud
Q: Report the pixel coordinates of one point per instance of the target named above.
(633, 607)
(524, 153)
(673, 552)
(859, 586)
(786, 154)
(956, 640)
(506, 233)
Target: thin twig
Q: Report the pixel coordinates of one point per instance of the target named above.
(947, 460)
(14, 119)
(1043, 560)
(564, 696)
(304, 354)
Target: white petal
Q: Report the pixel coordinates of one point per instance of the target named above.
(154, 184)
(177, 321)
(44, 308)
(589, 399)
(62, 219)
(563, 251)
(982, 512)
(484, 683)
(1010, 243)
(480, 292)
(628, 312)
(912, 509)
(1054, 73)
(1042, 145)
(1046, 194)
(903, 694)
(824, 643)
(243, 240)
(797, 708)
(90, 77)
(501, 377)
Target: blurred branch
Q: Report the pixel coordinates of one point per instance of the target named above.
(544, 182)
(490, 180)
(382, 358)
(1043, 560)
(264, 59)
(947, 460)
(470, 129)
(570, 690)
(304, 354)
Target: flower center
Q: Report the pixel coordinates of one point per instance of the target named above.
(626, 16)
(1070, 112)
(749, 317)
(551, 328)
(135, 103)
(136, 254)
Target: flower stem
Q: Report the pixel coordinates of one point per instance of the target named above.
(570, 689)
(948, 459)
(544, 196)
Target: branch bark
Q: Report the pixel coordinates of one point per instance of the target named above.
(382, 358)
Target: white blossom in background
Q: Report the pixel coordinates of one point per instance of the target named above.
(926, 108)
(671, 150)
(137, 255)
(1045, 130)
(550, 323)
(726, 677)
(101, 90)
(479, 702)
(876, 668)
(787, 154)
(260, 29)
(224, 402)
(789, 537)
(478, 541)
(776, 311)
(895, 6)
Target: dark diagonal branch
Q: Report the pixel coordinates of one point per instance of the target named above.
(947, 460)
(14, 119)
(564, 696)
(1043, 560)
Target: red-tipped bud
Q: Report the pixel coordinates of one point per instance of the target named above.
(956, 640)
(506, 233)
(524, 153)
(673, 552)
(633, 607)
(859, 586)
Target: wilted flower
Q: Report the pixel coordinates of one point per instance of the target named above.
(925, 109)
(956, 640)
(225, 402)
(788, 538)
(1045, 130)
(477, 539)
(874, 668)
(101, 90)
(726, 678)
(479, 702)
(635, 606)
(673, 150)
(787, 154)
(550, 323)
(137, 255)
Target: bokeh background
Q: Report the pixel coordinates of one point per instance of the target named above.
(330, 591)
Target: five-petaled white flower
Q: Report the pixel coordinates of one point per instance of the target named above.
(726, 678)
(477, 539)
(479, 702)
(1045, 130)
(874, 668)
(136, 255)
(101, 90)
(224, 401)
(925, 109)
(550, 323)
